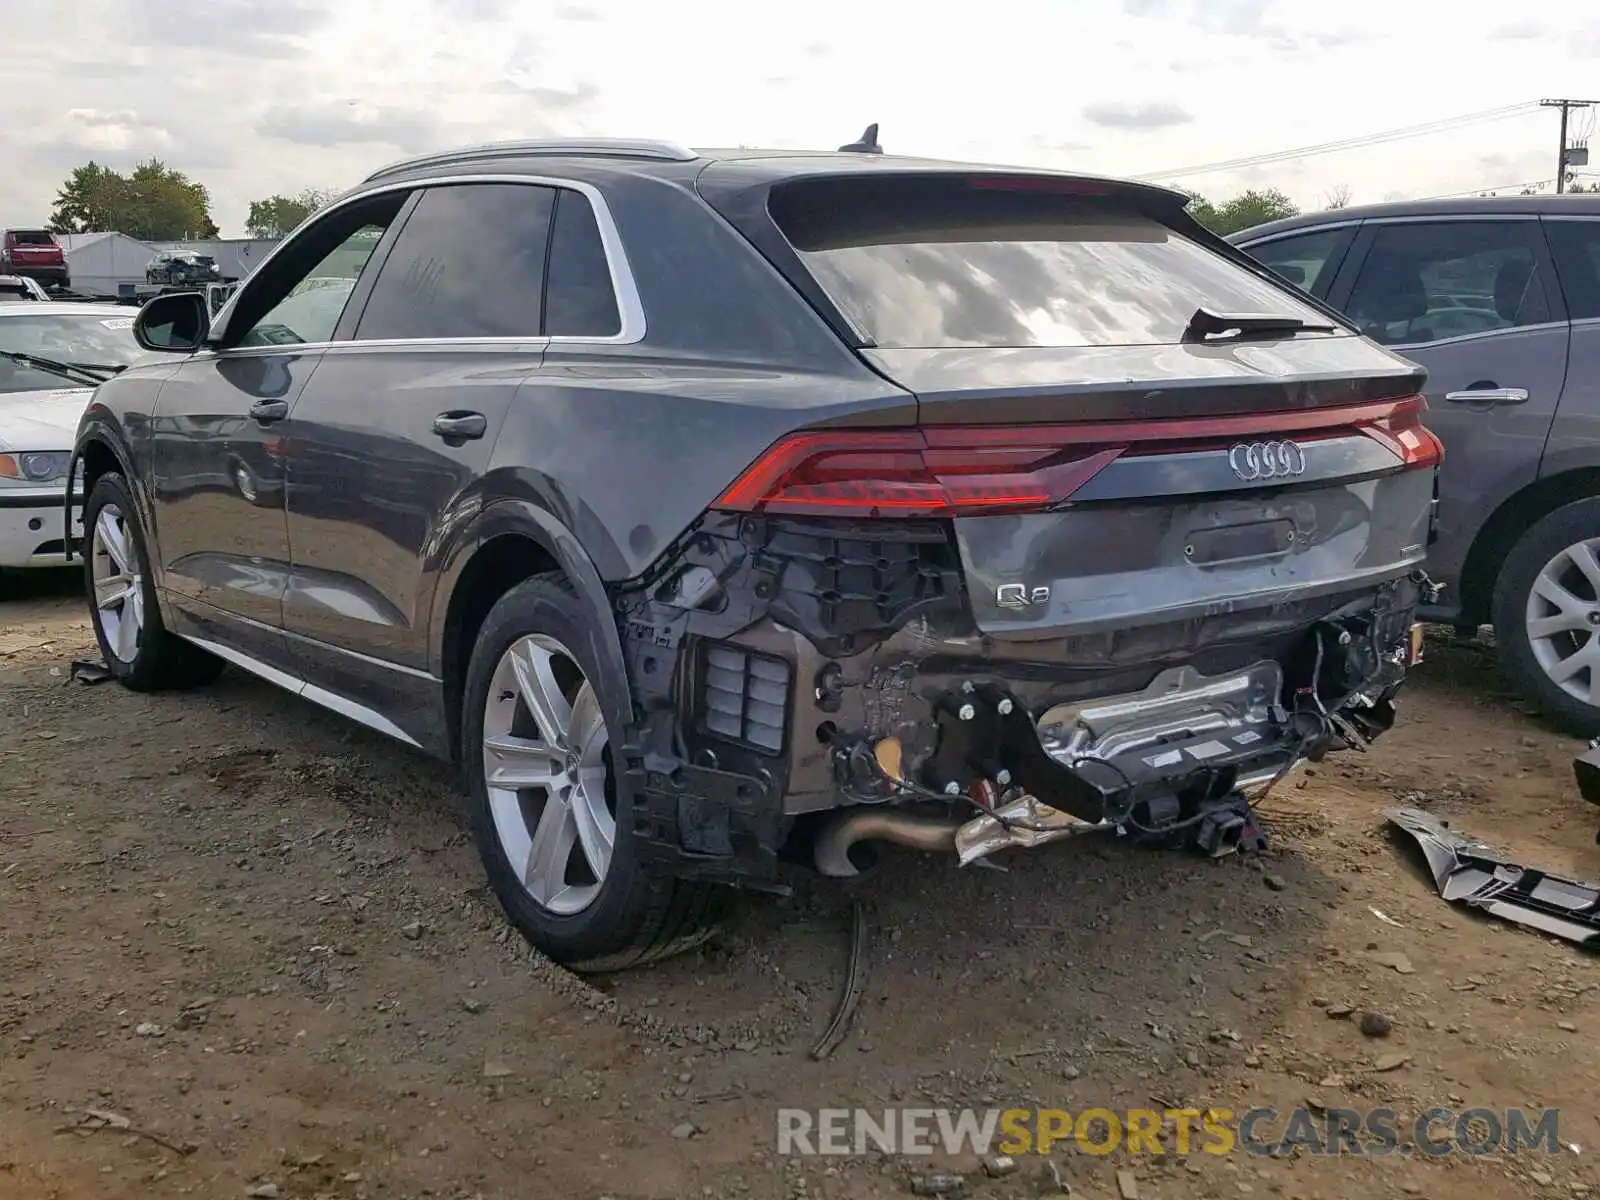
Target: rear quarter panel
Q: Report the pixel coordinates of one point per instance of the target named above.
(626, 445)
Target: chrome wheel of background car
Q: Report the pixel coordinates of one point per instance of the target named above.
(547, 772)
(118, 589)
(1563, 620)
(245, 482)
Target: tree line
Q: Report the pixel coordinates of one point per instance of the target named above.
(156, 203)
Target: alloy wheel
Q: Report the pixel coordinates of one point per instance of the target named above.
(118, 587)
(1563, 621)
(547, 770)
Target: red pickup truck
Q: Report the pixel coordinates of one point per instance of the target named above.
(34, 254)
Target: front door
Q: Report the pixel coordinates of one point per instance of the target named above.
(218, 451)
(1476, 303)
(392, 441)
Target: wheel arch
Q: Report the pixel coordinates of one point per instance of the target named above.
(100, 449)
(1481, 568)
(512, 540)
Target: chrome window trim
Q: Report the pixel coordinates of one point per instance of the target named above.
(1471, 337)
(630, 308)
(1302, 231)
(1593, 217)
(1436, 218)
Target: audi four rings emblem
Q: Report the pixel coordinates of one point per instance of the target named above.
(1266, 460)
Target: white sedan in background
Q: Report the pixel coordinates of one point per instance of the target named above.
(52, 355)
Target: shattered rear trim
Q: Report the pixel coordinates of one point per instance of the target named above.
(1469, 872)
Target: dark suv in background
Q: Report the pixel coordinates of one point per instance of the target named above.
(184, 266)
(708, 507)
(1499, 298)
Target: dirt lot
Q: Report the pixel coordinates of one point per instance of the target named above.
(259, 937)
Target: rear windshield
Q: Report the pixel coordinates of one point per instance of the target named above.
(31, 237)
(919, 263)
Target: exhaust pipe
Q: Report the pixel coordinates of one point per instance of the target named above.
(833, 844)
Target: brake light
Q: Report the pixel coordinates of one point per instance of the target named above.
(870, 473)
(1403, 432)
(966, 470)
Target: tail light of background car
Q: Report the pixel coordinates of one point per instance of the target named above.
(965, 470)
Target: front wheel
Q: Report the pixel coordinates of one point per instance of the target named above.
(549, 815)
(134, 641)
(1547, 615)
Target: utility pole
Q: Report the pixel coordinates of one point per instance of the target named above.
(1562, 161)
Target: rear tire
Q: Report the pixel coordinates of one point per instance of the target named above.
(1547, 616)
(551, 819)
(134, 641)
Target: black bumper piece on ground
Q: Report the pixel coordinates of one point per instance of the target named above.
(1468, 872)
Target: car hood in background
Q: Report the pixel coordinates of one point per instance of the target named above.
(41, 420)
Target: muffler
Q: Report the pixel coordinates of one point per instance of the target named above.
(832, 851)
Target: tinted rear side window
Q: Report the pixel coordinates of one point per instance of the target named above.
(1426, 281)
(1306, 260)
(468, 263)
(1576, 246)
(579, 300)
(918, 262)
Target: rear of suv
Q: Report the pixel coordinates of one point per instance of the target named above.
(34, 254)
(714, 508)
(1499, 299)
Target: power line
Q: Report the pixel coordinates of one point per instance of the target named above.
(1506, 187)
(1442, 125)
(1478, 191)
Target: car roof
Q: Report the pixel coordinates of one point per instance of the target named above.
(34, 308)
(1569, 204)
(751, 165)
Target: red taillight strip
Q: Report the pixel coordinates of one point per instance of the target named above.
(951, 470)
(1174, 429)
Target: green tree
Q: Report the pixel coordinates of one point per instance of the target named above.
(277, 215)
(92, 198)
(1243, 211)
(154, 202)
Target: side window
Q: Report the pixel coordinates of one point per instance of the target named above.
(1306, 260)
(469, 262)
(579, 300)
(299, 295)
(1576, 247)
(1429, 280)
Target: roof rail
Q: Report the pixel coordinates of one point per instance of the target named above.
(578, 147)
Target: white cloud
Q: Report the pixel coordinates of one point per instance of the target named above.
(253, 97)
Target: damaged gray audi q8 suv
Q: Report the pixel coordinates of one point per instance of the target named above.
(709, 508)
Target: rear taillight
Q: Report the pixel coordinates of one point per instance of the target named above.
(966, 470)
(899, 473)
(1403, 432)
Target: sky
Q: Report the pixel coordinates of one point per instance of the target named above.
(255, 97)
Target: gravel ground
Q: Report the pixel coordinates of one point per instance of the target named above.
(247, 950)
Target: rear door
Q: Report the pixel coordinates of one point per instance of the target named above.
(392, 440)
(1575, 435)
(1474, 301)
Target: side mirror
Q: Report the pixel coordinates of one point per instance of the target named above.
(177, 322)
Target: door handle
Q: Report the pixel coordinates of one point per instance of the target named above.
(460, 426)
(1489, 395)
(268, 411)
